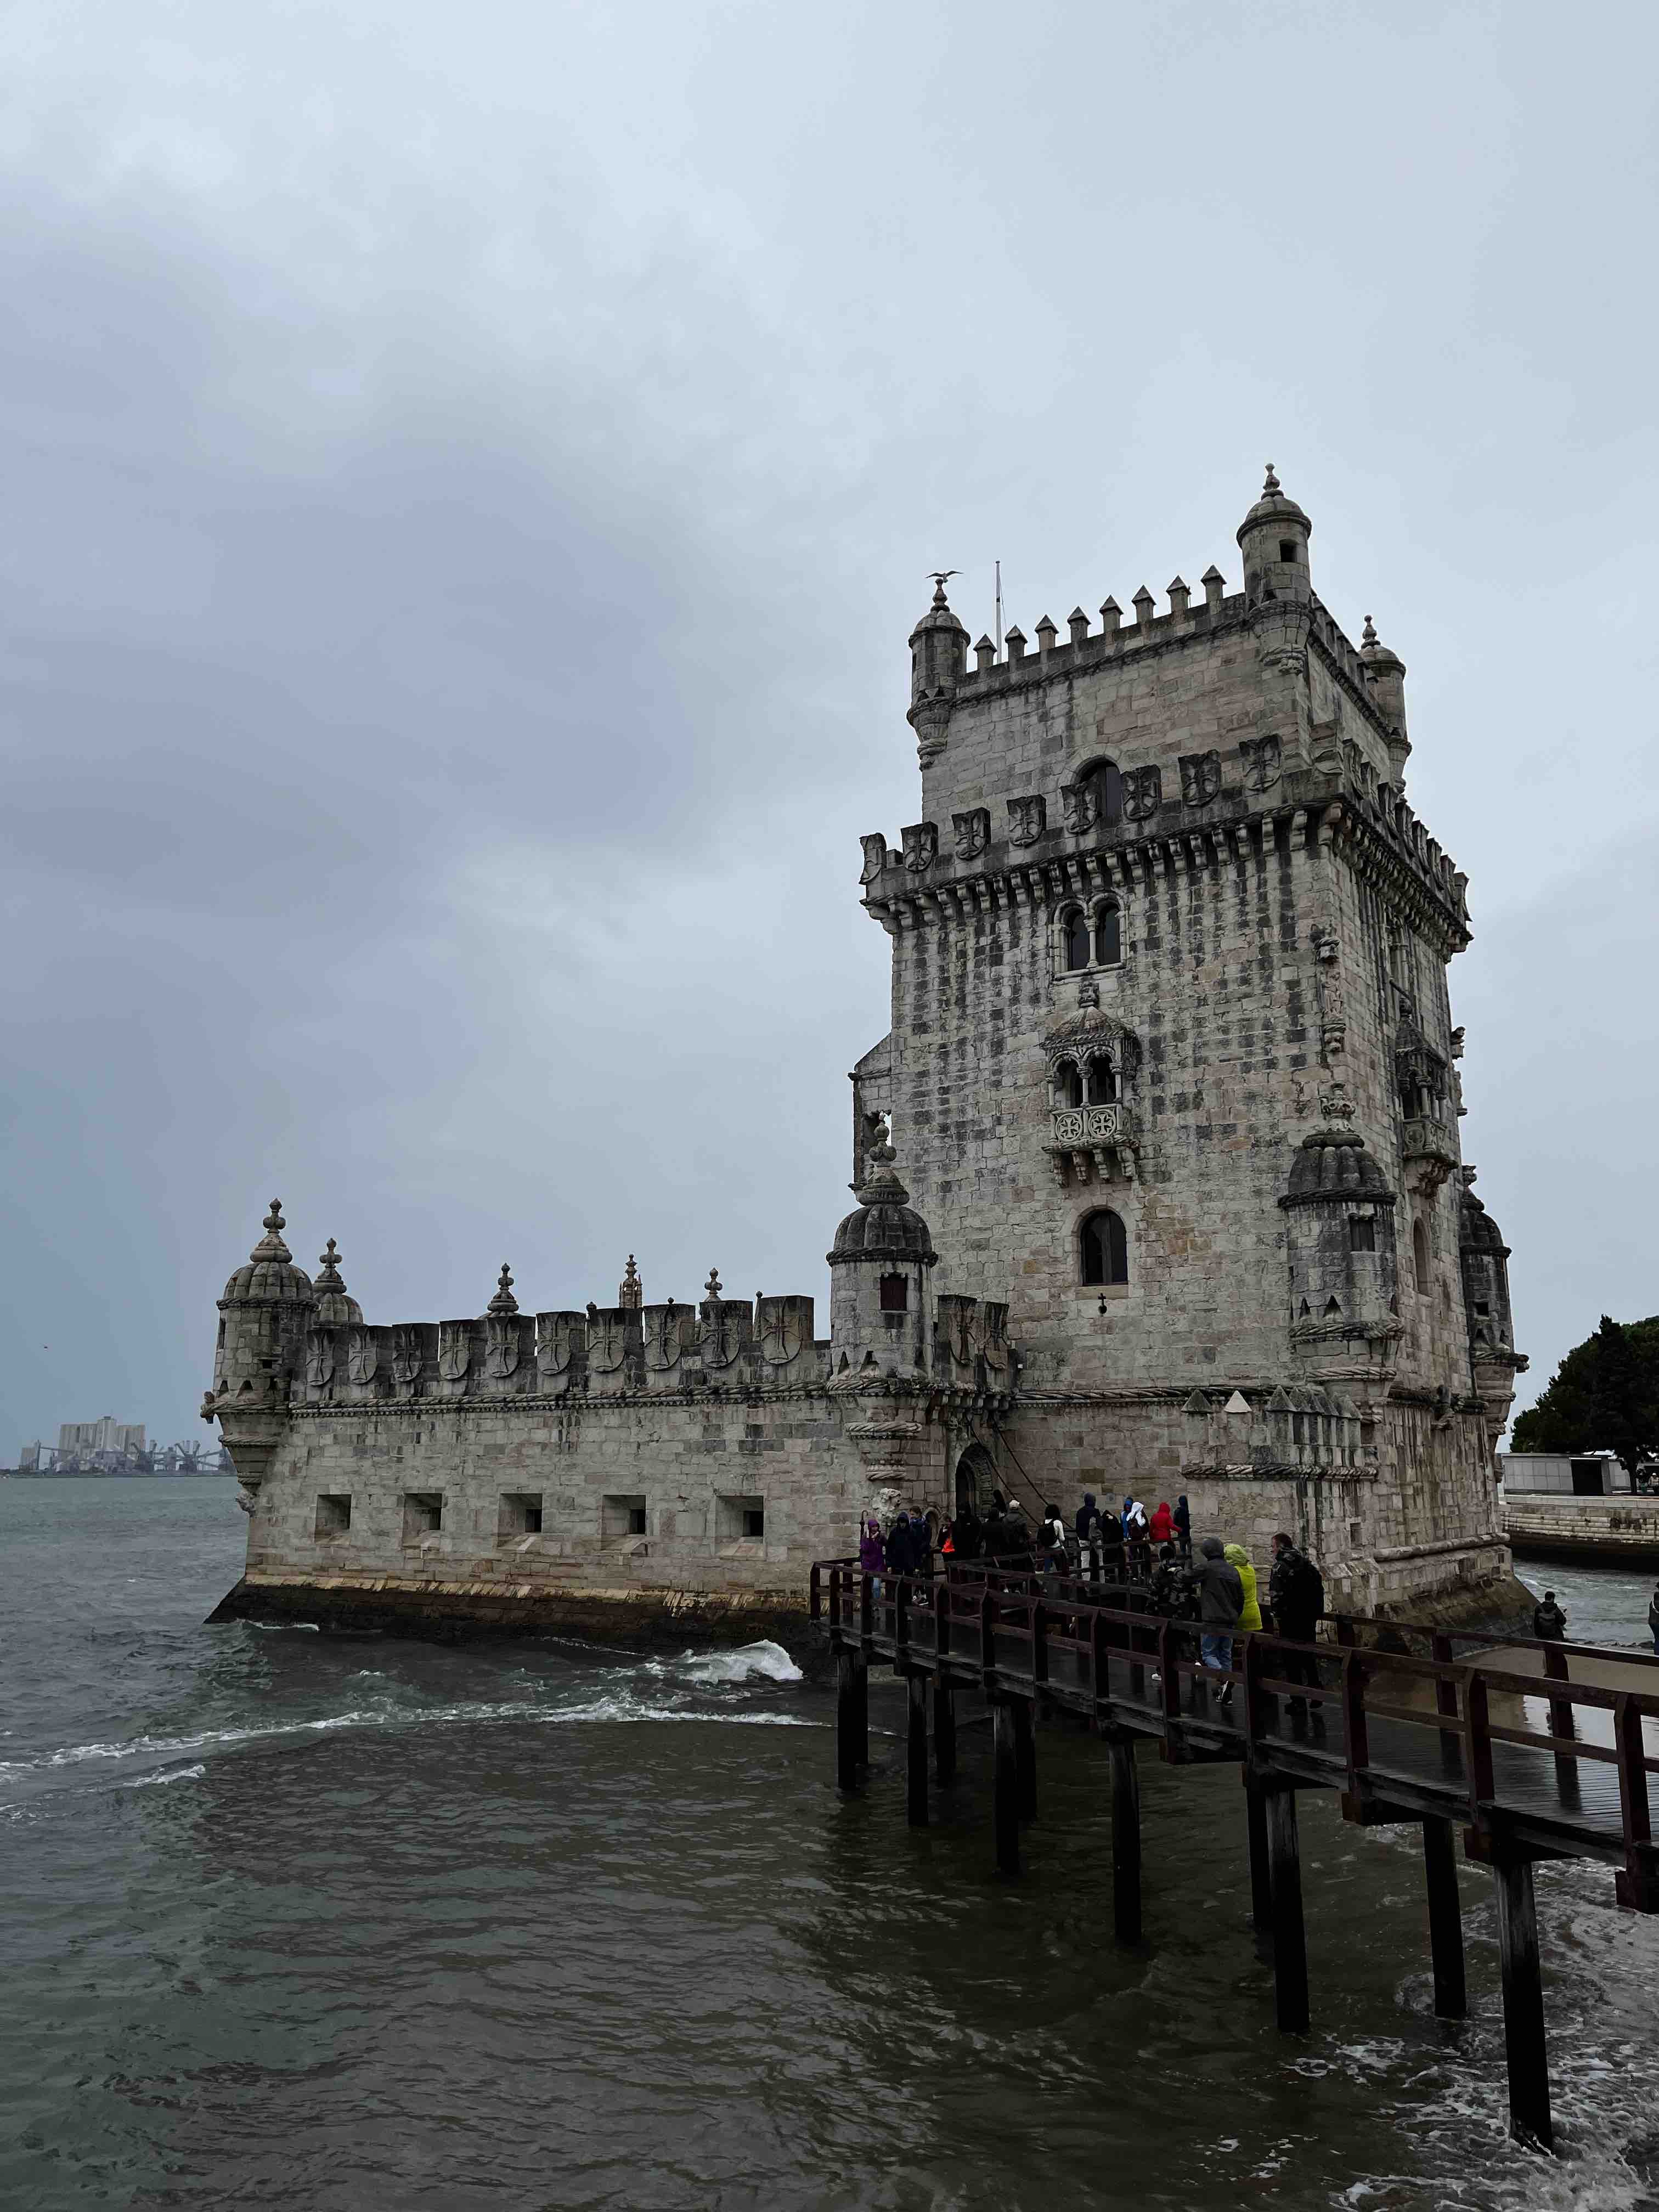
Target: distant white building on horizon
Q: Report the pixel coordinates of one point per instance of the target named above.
(105, 1434)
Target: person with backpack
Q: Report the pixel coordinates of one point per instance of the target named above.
(1055, 1558)
(1296, 1598)
(1220, 1596)
(1548, 1621)
(1088, 1546)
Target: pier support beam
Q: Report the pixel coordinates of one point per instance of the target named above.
(1523, 2002)
(1126, 1841)
(1289, 1938)
(851, 1718)
(915, 1760)
(1004, 1795)
(944, 1733)
(1445, 1920)
(1256, 1822)
(1025, 1743)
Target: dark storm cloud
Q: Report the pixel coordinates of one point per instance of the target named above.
(468, 485)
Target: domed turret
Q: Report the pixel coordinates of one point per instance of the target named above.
(939, 654)
(334, 1305)
(1273, 539)
(1386, 672)
(1340, 1244)
(880, 1298)
(264, 1315)
(269, 1274)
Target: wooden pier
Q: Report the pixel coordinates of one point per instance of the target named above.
(1402, 1735)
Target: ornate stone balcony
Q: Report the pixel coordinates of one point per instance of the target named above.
(1429, 1148)
(1094, 1143)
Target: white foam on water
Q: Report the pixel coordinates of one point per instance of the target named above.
(172, 1774)
(750, 1662)
(285, 1627)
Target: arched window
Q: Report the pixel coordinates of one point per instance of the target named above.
(1102, 779)
(1108, 936)
(1103, 1248)
(1102, 1081)
(1068, 1084)
(1420, 1257)
(1077, 939)
(894, 1294)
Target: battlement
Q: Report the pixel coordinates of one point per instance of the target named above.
(1016, 666)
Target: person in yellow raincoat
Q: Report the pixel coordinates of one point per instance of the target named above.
(1239, 1558)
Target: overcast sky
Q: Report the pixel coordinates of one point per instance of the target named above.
(468, 479)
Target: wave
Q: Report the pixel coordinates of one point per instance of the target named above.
(749, 1662)
(619, 1705)
(172, 1774)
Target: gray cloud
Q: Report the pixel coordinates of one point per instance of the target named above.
(469, 484)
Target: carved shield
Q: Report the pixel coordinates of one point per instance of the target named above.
(1262, 758)
(662, 1336)
(607, 1341)
(1143, 793)
(920, 846)
(362, 1355)
(783, 1336)
(719, 1334)
(319, 1357)
(1082, 804)
(994, 1342)
(501, 1351)
(554, 1341)
(973, 831)
(875, 857)
(1200, 778)
(406, 1353)
(455, 1349)
(1028, 818)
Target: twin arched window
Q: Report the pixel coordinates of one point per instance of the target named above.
(1093, 937)
(1092, 1083)
(1103, 1248)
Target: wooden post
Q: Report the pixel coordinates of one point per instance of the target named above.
(944, 1732)
(1289, 1938)
(1126, 1841)
(1005, 1793)
(915, 1764)
(1025, 1747)
(849, 1673)
(861, 1725)
(1445, 1920)
(1523, 2001)
(1256, 1822)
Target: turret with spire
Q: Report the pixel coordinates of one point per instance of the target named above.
(264, 1315)
(938, 656)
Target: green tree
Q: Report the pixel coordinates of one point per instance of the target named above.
(1603, 1396)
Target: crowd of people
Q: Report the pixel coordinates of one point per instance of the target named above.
(1218, 1589)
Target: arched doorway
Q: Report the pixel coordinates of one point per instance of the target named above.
(976, 1477)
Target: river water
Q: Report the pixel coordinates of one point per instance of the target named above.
(339, 1924)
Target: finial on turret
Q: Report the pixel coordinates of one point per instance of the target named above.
(631, 1293)
(1368, 635)
(504, 1302)
(1271, 486)
(328, 1277)
(711, 1289)
(271, 1245)
(941, 577)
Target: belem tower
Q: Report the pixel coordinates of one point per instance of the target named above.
(1158, 1176)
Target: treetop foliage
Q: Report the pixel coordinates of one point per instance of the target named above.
(1604, 1396)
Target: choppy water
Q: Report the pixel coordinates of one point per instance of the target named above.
(296, 1920)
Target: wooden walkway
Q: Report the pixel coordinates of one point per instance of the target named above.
(1550, 1763)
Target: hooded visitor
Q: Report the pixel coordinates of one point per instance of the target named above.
(1183, 1516)
(872, 1553)
(1220, 1592)
(900, 1557)
(1163, 1524)
(1239, 1560)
